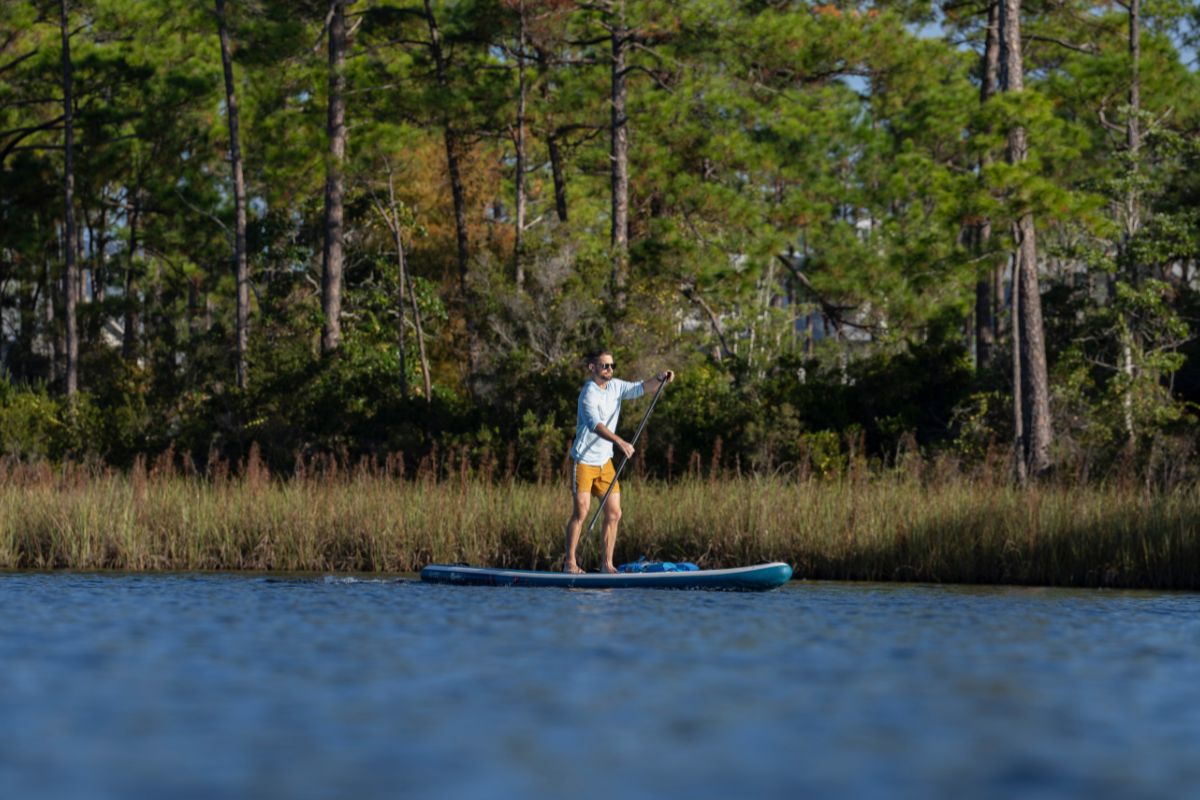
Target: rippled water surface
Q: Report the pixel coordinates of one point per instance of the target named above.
(207, 686)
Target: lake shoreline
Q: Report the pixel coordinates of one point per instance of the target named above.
(887, 527)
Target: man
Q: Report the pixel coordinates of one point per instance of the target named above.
(591, 454)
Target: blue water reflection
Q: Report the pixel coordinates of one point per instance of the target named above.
(244, 686)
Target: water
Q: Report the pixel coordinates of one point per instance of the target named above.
(243, 686)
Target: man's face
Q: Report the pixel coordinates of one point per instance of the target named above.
(603, 368)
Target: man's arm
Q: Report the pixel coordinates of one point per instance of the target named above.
(605, 433)
(651, 384)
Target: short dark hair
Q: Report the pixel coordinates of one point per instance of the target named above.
(594, 355)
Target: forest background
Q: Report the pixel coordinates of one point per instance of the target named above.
(391, 229)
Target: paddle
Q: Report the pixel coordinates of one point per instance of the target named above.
(625, 461)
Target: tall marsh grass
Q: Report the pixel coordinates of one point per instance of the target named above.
(889, 526)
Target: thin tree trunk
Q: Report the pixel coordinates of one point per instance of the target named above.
(393, 222)
(457, 193)
(519, 177)
(1033, 354)
(452, 155)
(715, 321)
(129, 348)
(416, 313)
(1020, 465)
(1134, 132)
(20, 359)
(241, 267)
(52, 334)
(100, 267)
(104, 275)
(163, 338)
(391, 216)
(985, 319)
(87, 260)
(80, 272)
(560, 181)
(552, 140)
(619, 132)
(70, 277)
(1133, 220)
(401, 286)
(998, 299)
(1034, 383)
(333, 264)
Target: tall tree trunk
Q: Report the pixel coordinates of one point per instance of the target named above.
(457, 193)
(1020, 464)
(985, 301)
(392, 217)
(100, 263)
(560, 181)
(129, 348)
(163, 333)
(1034, 386)
(552, 140)
(93, 272)
(619, 134)
(333, 263)
(1133, 218)
(70, 276)
(52, 335)
(80, 267)
(406, 276)
(241, 267)
(21, 358)
(1133, 221)
(519, 177)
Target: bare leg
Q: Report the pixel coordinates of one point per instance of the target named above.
(612, 517)
(583, 502)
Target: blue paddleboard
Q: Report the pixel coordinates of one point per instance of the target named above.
(759, 577)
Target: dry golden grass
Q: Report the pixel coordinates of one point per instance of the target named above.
(890, 526)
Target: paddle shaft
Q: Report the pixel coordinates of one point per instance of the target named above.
(625, 461)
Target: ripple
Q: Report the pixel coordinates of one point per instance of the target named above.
(303, 686)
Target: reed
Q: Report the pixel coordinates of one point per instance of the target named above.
(890, 526)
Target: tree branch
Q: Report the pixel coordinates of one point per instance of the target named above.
(202, 212)
(1086, 49)
(638, 68)
(829, 309)
(324, 29)
(5, 68)
(689, 291)
(25, 133)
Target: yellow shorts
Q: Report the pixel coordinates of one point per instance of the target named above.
(589, 478)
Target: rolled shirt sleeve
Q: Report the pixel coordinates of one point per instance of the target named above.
(630, 391)
(590, 412)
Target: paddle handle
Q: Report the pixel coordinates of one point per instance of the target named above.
(625, 460)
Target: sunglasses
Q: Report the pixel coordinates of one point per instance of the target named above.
(612, 365)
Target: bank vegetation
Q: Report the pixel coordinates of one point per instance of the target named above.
(924, 521)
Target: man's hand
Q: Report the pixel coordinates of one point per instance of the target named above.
(626, 448)
(666, 376)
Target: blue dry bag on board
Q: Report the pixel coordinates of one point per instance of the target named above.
(642, 565)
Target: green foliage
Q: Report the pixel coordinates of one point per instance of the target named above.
(35, 426)
(30, 423)
(824, 449)
(806, 185)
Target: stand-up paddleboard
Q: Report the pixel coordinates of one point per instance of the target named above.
(759, 577)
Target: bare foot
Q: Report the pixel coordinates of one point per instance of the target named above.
(572, 569)
(609, 569)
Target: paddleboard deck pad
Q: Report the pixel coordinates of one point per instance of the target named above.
(759, 577)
